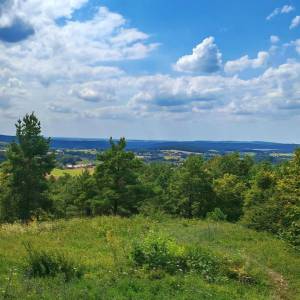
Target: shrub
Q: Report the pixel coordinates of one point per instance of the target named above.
(216, 215)
(159, 252)
(42, 264)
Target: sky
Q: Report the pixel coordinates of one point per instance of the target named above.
(152, 69)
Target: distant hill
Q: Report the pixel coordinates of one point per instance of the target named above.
(148, 145)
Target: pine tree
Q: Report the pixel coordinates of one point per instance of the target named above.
(117, 180)
(24, 172)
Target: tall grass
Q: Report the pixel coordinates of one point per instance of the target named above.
(102, 246)
(41, 263)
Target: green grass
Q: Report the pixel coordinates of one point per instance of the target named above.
(102, 246)
(73, 172)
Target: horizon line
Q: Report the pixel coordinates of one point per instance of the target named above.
(163, 140)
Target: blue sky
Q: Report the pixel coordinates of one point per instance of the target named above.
(152, 69)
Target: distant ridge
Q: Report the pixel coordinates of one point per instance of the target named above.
(193, 146)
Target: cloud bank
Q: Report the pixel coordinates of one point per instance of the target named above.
(59, 66)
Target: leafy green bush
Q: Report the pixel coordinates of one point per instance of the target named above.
(157, 251)
(42, 264)
(216, 215)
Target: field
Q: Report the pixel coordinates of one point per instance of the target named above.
(102, 246)
(73, 172)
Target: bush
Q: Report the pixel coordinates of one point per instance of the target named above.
(159, 252)
(216, 215)
(42, 264)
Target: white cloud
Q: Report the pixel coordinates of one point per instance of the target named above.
(61, 109)
(277, 11)
(43, 67)
(100, 93)
(287, 9)
(274, 39)
(275, 92)
(295, 22)
(72, 69)
(296, 44)
(109, 112)
(11, 88)
(205, 58)
(75, 51)
(37, 12)
(243, 63)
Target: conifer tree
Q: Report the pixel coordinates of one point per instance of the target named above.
(24, 172)
(117, 179)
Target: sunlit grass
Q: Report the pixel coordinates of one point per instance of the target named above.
(103, 245)
(73, 172)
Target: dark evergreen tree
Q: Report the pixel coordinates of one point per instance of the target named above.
(24, 172)
(120, 190)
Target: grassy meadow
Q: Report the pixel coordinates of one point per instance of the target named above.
(73, 172)
(102, 247)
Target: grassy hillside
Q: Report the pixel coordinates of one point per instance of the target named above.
(102, 246)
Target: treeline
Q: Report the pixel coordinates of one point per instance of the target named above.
(261, 196)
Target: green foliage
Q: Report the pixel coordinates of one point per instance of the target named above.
(158, 251)
(116, 175)
(204, 263)
(73, 195)
(42, 263)
(24, 183)
(259, 195)
(273, 201)
(216, 215)
(156, 178)
(190, 190)
(232, 164)
(229, 191)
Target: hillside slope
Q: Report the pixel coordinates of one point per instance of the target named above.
(103, 245)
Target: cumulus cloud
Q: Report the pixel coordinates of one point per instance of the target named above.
(59, 51)
(243, 63)
(277, 11)
(274, 39)
(275, 92)
(295, 22)
(74, 51)
(206, 58)
(72, 69)
(36, 12)
(98, 93)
